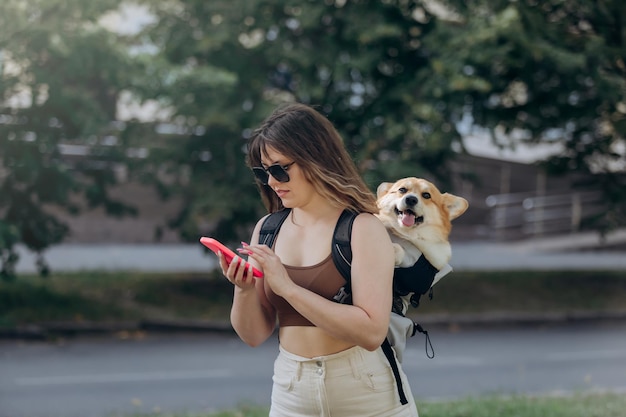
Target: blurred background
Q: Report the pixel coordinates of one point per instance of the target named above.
(123, 129)
(127, 121)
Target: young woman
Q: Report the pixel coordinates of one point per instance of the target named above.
(330, 360)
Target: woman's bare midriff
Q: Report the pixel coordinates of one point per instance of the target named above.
(310, 341)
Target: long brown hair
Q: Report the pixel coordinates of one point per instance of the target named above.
(303, 135)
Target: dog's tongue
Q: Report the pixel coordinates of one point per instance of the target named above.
(408, 218)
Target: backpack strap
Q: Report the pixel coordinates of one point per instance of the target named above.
(341, 249)
(342, 254)
(271, 226)
(388, 351)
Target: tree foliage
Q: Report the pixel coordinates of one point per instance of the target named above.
(60, 74)
(556, 72)
(228, 63)
(399, 79)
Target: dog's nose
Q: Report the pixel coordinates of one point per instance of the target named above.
(410, 200)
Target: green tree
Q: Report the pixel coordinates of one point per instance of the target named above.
(553, 70)
(396, 77)
(60, 77)
(224, 65)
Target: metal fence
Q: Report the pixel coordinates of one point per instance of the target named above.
(528, 214)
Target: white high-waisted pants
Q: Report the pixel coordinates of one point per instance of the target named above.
(352, 383)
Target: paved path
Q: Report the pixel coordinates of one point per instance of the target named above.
(581, 251)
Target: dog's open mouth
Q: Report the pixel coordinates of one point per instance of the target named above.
(409, 218)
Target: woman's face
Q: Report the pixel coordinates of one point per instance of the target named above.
(298, 190)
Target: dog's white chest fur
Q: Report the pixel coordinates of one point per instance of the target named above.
(407, 254)
(437, 253)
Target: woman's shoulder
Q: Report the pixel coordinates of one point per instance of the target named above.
(269, 224)
(368, 222)
(370, 238)
(280, 214)
(367, 218)
(257, 227)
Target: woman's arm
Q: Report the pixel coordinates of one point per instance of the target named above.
(251, 315)
(366, 321)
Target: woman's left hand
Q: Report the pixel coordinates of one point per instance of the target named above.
(273, 270)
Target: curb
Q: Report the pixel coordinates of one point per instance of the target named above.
(501, 318)
(46, 331)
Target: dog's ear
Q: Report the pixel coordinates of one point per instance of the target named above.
(383, 188)
(455, 205)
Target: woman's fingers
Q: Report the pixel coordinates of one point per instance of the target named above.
(234, 270)
(260, 253)
(222, 262)
(239, 272)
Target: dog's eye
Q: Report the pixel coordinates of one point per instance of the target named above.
(426, 195)
(402, 190)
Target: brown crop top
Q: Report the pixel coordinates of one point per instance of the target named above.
(323, 279)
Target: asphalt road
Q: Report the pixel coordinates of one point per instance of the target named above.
(195, 373)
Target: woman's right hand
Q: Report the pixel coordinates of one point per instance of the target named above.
(236, 272)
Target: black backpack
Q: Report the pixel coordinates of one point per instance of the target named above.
(342, 257)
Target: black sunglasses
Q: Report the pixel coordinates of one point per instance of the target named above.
(279, 172)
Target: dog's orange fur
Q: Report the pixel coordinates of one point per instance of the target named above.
(425, 225)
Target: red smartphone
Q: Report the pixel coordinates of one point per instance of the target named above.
(217, 246)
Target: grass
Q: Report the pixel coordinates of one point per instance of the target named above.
(528, 291)
(582, 405)
(610, 405)
(115, 296)
(107, 297)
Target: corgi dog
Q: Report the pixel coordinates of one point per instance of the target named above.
(418, 218)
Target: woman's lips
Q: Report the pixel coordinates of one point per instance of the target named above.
(281, 193)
